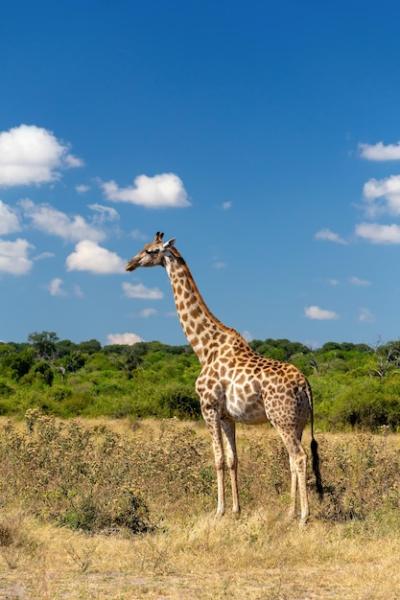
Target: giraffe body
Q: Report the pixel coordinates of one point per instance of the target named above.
(236, 384)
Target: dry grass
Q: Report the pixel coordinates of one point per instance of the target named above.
(349, 550)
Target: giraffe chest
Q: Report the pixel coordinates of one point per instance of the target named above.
(244, 403)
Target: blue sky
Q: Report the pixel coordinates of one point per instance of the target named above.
(263, 136)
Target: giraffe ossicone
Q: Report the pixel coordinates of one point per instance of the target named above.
(236, 384)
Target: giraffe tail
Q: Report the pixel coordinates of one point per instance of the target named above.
(314, 449)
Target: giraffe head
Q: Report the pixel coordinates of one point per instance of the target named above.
(152, 254)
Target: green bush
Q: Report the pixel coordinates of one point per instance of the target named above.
(44, 372)
(180, 402)
(353, 385)
(73, 361)
(20, 363)
(369, 405)
(5, 389)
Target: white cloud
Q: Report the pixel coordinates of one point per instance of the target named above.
(219, 264)
(82, 188)
(161, 191)
(55, 287)
(89, 256)
(32, 155)
(359, 282)
(14, 257)
(50, 220)
(379, 151)
(9, 222)
(138, 290)
(319, 314)
(73, 161)
(226, 205)
(365, 316)
(128, 339)
(329, 236)
(382, 196)
(379, 234)
(138, 235)
(145, 313)
(333, 282)
(43, 256)
(104, 213)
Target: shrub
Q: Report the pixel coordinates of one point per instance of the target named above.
(61, 393)
(75, 476)
(74, 361)
(181, 402)
(5, 389)
(16, 541)
(44, 372)
(367, 404)
(20, 363)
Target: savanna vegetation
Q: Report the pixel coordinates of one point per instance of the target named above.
(107, 483)
(355, 385)
(123, 509)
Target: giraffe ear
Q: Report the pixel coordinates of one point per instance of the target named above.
(170, 243)
(159, 236)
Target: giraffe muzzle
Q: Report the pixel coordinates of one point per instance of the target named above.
(132, 264)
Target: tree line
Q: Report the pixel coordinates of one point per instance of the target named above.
(355, 385)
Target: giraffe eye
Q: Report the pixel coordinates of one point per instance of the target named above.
(155, 251)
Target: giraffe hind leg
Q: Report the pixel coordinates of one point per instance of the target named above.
(298, 467)
(293, 489)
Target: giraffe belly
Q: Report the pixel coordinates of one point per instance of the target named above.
(245, 409)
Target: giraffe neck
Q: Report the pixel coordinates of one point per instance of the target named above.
(202, 329)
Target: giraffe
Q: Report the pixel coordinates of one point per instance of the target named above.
(235, 383)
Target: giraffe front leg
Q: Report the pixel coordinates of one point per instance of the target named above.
(228, 429)
(213, 422)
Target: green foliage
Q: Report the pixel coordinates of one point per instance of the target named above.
(180, 402)
(19, 363)
(278, 349)
(354, 386)
(44, 372)
(64, 347)
(5, 389)
(74, 361)
(368, 404)
(44, 343)
(90, 346)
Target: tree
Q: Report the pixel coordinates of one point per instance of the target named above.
(64, 347)
(44, 371)
(387, 359)
(20, 363)
(90, 346)
(44, 343)
(74, 361)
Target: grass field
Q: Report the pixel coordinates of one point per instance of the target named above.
(52, 546)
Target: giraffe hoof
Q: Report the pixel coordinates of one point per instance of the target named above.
(236, 514)
(219, 514)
